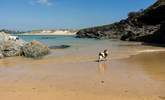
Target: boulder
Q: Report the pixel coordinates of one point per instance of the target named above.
(34, 49)
(10, 48)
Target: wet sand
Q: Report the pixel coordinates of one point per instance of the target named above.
(139, 77)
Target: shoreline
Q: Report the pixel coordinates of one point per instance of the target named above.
(142, 43)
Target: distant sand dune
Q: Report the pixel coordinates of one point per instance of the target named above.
(52, 32)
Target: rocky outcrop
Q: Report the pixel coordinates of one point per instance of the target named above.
(137, 27)
(34, 49)
(10, 47)
(157, 37)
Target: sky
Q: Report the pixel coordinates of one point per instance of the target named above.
(65, 14)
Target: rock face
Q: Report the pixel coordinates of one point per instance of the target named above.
(158, 36)
(35, 49)
(138, 26)
(10, 48)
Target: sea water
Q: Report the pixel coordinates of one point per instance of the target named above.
(91, 47)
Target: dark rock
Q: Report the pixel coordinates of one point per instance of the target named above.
(35, 49)
(157, 37)
(60, 47)
(144, 25)
(153, 15)
(128, 36)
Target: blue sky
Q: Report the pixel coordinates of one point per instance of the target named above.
(55, 14)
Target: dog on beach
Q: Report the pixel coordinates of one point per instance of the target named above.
(103, 55)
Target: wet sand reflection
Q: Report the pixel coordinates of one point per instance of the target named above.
(103, 67)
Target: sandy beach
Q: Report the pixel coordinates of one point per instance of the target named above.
(51, 32)
(82, 50)
(67, 76)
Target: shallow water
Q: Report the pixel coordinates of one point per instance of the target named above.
(133, 72)
(91, 47)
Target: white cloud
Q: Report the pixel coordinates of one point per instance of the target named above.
(43, 2)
